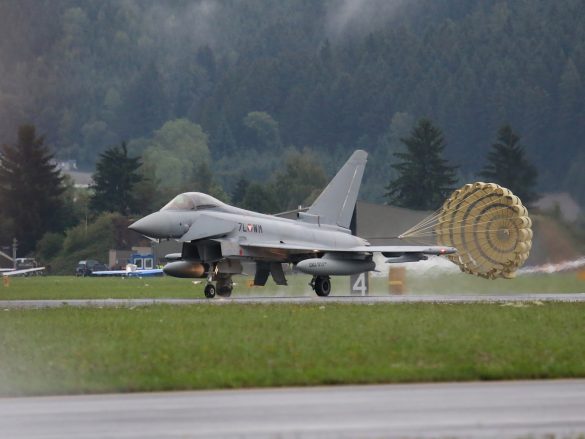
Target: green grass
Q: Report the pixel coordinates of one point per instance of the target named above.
(70, 350)
(461, 283)
(70, 287)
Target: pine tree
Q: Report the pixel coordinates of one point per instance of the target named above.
(508, 166)
(425, 179)
(30, 189)
(114, 180)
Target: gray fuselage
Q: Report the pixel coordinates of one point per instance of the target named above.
(250, 232)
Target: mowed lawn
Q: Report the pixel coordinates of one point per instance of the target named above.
(71, 350)
(431, 282)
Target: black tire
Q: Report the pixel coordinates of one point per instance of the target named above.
(209, 291)
(224, 292)
(322, 286)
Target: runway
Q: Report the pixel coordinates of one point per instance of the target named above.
(455, 410)
(363, 300)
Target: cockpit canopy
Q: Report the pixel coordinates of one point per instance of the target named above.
(192, 201)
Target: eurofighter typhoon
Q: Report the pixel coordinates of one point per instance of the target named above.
(217, 237)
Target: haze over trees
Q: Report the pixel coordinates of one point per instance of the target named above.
(217, 96)
(259, 76)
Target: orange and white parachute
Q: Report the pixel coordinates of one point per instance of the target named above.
(487, 224)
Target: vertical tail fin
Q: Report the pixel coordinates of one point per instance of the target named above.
(336, 203)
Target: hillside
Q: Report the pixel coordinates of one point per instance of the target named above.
(329, 75)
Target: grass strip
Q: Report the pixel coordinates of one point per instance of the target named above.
(71, 287)
(70, 350)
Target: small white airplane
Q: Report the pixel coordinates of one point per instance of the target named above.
(12, 272)
(130, 271)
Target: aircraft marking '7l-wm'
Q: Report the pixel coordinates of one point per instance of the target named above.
(217, 237)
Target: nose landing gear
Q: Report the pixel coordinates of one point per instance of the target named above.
(209, 291)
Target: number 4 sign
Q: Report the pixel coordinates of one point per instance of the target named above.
(359, 284)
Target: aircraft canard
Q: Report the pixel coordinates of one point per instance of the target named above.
(216, 237)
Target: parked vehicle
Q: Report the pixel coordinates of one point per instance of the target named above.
(27, 267)
(25, 263)
(85, 268)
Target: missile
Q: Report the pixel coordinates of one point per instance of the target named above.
(185, 269)
(335, 267)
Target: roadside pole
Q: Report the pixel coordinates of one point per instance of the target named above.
(14, 248)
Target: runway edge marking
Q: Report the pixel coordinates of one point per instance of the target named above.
(129, 303)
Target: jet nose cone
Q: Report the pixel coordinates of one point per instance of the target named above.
(155, 225)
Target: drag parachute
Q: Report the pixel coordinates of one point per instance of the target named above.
(487, 224)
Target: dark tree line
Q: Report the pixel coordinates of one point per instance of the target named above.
(38, 204)
(30, 190)
(426, 179)
(260, 76)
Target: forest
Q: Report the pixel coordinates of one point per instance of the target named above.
(231, 87)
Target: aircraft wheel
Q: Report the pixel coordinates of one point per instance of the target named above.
(224, 285)
(224, 292)
(209, 291)
(322, 286)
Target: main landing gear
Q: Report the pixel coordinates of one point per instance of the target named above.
(224, 286)
(321, 285)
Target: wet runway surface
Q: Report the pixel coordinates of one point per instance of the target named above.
(455, 410)
(365, 300)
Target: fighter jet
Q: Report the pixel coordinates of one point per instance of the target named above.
(218, 237)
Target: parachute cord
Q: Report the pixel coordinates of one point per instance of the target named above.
(381, 237)
(419, 240)
(431, 232)
(452, 225)
(418, 228)
(431, 220)
(427, 220)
